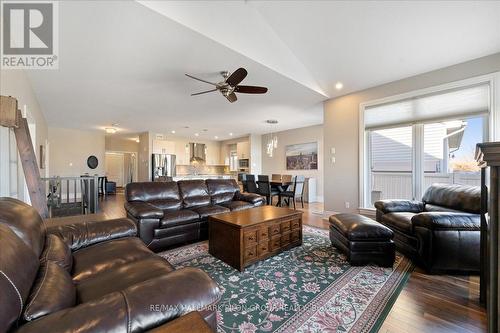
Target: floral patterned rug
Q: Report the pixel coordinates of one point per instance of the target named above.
(311, 288)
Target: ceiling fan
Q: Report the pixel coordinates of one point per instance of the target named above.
(231, 85)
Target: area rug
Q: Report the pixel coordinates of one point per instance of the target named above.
(311, 288)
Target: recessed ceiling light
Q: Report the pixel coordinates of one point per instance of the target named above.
(339, 85)
(196, 134)
(110, 130)
(137, 140)
(173, 132)
(216, 137)
(230, 134)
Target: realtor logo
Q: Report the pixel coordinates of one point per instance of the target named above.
(29, 35)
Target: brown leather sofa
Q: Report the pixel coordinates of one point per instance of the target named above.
(90, 277)
(441, 232)
(173, 213)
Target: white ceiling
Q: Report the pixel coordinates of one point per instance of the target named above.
(124, 62)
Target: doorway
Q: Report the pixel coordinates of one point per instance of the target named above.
(115, 170)
(121, 167)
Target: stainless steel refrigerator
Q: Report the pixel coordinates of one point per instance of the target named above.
(163, 167)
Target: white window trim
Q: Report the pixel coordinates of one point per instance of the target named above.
(493, 80)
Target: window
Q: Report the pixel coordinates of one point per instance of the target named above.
(413, 143)
(449, 148)
(233, 161)
(391, 166)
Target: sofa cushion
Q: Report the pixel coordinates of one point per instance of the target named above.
(236, 205)
(104, 256)
(178, 217)
(25, 222)
(15, 279)
(56, 250)
(146, 191)
(436, 208)
(194, 193)
(459, 197)
(122, 277)
(400, 221)
(53, 291)
(221, 190)
(210, 210)
(166, 204)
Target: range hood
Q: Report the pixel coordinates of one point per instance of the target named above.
(197, 152)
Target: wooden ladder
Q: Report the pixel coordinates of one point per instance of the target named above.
(11, 117)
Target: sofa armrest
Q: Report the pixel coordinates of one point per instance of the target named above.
(138, 308)
(143, 210)
(393, 206)
(79, 235)
(252, 198)
(447, 221)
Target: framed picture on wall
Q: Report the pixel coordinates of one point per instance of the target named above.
(302, 156)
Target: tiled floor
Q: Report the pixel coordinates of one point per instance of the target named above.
(428, 303)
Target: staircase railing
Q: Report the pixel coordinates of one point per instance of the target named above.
(68, 196)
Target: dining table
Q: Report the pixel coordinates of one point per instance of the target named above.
(281, 186)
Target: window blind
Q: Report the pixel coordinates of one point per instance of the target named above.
(467, 101)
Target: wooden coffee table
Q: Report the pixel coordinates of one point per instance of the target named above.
(242, 238)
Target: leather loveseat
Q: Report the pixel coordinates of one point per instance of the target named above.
(441, 232)
(90, 277)
(174, 213)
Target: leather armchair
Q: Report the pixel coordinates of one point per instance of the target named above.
(90, 277)
(441, 232)
(169, 214)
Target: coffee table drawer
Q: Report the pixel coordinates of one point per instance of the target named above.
(295, 224)
(285, 226)
(275, 243)
(263, 248)
(285, 238)
(250, 253)
(295, 235)
(250, 238)
(274, 229)
(263, 233)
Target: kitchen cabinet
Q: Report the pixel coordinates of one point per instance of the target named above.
(163, 147)
(213, 154)
(243, 150)
(182, 153)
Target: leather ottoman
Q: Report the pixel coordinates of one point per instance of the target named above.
(362, 239)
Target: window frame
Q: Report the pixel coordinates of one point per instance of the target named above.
(492, 130)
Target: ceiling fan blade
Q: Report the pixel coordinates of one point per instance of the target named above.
(238, 76)
(203, 92)
(250, 90)
(214, 84)
(232, 97)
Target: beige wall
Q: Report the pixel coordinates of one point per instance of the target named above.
(277, 163)
(341, 126)
(70, 148)
(15, 83)
(117, 143)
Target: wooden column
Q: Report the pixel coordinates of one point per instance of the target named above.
(26, 152)
(488, 155)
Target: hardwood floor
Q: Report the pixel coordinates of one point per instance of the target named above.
(428, 303)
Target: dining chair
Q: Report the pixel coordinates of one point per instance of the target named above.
(251, 185)
(297, 191)
(286, 178)
(264, 188)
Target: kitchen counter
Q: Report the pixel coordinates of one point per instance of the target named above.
(203, 176)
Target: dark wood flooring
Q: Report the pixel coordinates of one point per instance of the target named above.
(428, 303)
